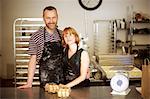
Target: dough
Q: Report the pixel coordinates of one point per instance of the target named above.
(64, 92)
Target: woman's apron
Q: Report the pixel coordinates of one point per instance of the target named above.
(72, 68)
(50, 69)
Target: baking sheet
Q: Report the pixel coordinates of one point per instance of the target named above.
(133, 72)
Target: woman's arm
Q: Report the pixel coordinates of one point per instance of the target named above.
(83, 70)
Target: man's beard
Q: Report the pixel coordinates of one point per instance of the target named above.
(51, 27)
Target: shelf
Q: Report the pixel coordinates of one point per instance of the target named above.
(139, 34)
(26, 78)
(22, 43)
(27, 25)
(22, 55)
(22, 37)
(141, 22)
(25, 66)
(26, 31)
(23, 29)
(23, 60)
(142, 44)
(141, 31)
(25, 71)
(22, 83)
(22, 49)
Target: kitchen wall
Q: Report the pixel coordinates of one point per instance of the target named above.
(149, 6)
(0, 38)
(70, 14)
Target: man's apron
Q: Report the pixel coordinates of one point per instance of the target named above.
(51, 65)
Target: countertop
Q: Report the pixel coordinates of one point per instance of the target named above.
(93, 92)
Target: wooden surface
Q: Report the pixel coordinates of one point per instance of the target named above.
(94, 92)
(146, 81)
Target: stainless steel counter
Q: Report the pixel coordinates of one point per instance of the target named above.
(93, 92)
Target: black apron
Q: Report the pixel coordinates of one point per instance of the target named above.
(72, 68)
(50, 69)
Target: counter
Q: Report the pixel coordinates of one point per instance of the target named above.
(93, 92)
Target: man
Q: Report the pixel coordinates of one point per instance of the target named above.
(46, 49)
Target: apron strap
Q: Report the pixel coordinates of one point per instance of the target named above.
(44, 34)
(57, 32)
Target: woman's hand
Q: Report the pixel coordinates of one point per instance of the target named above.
(62, 85)
(88, 74)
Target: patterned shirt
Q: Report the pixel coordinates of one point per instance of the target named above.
(36, 42)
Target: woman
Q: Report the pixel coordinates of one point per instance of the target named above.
(76, 60)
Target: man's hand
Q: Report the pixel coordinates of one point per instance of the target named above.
(25, 86)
